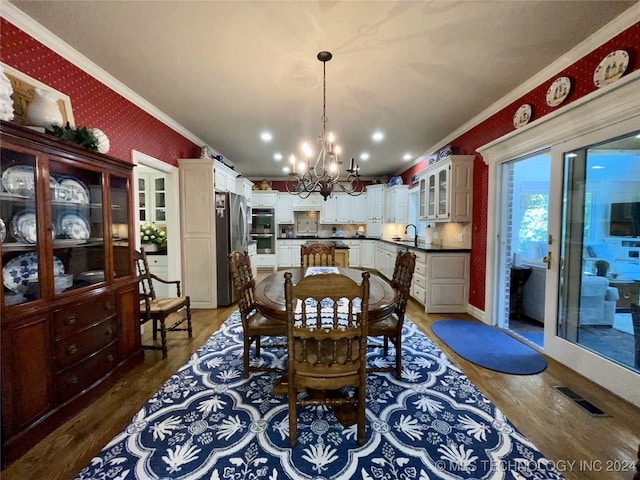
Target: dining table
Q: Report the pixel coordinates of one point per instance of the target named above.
(270, 301)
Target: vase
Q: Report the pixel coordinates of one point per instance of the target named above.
(43, 111)
(150, 247)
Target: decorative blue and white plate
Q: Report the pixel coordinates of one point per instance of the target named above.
(18, 271)
(73, 226)
(19, 180)
(24, 226)
(78, 191)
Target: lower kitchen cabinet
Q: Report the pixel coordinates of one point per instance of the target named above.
(447, 283)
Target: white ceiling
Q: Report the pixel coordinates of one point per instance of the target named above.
(416, 70)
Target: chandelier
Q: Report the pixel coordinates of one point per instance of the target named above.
(323, 175)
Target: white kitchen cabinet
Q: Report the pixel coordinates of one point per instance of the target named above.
(354, 252)
(368, 254)
(159, 265)
(252, 249)
(358, 208)
(289, 253)
(448, 190)
(397, 204)
(375, 202)
(447, 289)
(244, 187)
(264, 199)
(385, 258)
(225, 178)
(419, 281)
(375, 228)
(152, 198)
(284, 210)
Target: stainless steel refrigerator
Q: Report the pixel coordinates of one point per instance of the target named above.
(232, 233)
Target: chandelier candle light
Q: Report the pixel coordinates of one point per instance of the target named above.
(323, 175)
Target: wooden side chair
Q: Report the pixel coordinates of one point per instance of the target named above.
(391, 327)
(158, 310)
(635, 318)
(254, 324)
(317, 255)
(326, 343)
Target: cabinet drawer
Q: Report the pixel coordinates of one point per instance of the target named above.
(71, 318)
(420, 270)
(75, 348)
(157, 261)
(418, 293)
(420, 280)
(81, 376)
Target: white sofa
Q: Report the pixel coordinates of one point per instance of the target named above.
(597, 298)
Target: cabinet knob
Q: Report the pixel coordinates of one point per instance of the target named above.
(108, 332)
(108, 306)
(110, 358)
(70, 320)
(73, 379)
(72, 350)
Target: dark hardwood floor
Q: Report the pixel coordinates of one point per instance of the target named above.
(583, 447)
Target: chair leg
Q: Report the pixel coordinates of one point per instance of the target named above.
(293, 418)
(398, 344)
(163, 336)
(245, 359)
(155, 328)
(386, 346)
(189, 317)
(257, 337)
(361, 392)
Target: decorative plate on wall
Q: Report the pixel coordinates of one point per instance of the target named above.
(558, 91)
(522, 116)
(611, 68)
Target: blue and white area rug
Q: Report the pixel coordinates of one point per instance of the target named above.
(207, 422)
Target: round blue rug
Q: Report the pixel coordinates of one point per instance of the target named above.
(489, 347)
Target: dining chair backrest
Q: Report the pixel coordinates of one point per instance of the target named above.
(243, 282)
(317, 255)
(327, 318)
(402, 278)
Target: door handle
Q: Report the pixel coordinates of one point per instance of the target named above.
(547, 260)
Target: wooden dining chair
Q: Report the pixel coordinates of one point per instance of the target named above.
(391, 327)
(254, 324)
(159, 310)
(326, 343)
(317, 255)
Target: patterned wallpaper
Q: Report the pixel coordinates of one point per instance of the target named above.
(501, 123)
(128, 127)
(94, 104)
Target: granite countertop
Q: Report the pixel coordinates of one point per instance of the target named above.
(431, 248)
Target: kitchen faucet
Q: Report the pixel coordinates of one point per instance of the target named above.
(415, 229)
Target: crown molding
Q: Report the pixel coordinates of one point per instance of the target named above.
(623, 21)
(25, 23)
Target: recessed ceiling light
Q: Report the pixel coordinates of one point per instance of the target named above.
(364, 156)
(377, 136)
(266, 136)
(407, 156)
(277, 156)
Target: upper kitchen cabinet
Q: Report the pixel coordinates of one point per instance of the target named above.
(285, 208)
(397, 204)
(342, 208)
(264, 199)
(244, 187)
(225, 178)
(152, 198)
(69, 303)
(446, 190)
(375, 201)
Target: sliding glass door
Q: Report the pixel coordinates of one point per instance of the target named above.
(600, 246)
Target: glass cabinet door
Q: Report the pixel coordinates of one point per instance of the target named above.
(159, 205)
(19, 225)
(78, 226)
(431, 198)
(120, 226)
(443, 192)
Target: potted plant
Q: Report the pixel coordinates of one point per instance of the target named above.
(152, 238)
(602, 266)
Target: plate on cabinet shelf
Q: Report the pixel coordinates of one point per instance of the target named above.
(19, 180)
(21, 270)
(24, 226)
(3, 231)
(77, 191)
(611, 68)
(73, 226)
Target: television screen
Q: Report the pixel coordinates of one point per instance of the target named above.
(625, 219)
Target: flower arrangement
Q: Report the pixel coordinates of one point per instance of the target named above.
(149, 233)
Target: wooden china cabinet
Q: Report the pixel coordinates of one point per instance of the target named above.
(69, 303)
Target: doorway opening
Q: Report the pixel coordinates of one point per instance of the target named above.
(523, 238)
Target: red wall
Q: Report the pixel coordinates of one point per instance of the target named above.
(128, 127)
(94, 104)
(581, 75)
